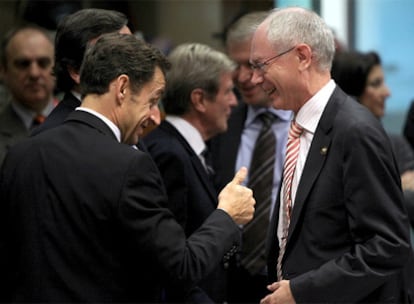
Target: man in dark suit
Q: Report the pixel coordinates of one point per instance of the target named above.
(73, 34)
(341, 233)
(198, 101)
(83, 215)
(235, 148)
(26, 68)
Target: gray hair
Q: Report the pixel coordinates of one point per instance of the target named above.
(193, 65)
(244, 28)
(291, 26)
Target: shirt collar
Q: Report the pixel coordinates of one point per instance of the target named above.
(189, 132)
(76, 94)
(253, 112)
(310, 113)
(109, 123)
(27, 115)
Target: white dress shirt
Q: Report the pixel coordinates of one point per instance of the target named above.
(308, 118)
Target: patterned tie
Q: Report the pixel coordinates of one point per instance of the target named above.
(292, 152)
(261, 182)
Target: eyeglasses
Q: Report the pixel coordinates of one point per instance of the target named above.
(260, 66)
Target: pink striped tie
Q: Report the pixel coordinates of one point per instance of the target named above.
(292, 151)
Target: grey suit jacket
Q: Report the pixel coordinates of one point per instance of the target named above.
(349, 234)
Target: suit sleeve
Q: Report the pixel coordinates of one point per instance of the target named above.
(378, 228)
(409, 125)
(173, 171)
(154, 233)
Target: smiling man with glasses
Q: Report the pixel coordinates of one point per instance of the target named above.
(260, 66)
(341, 232)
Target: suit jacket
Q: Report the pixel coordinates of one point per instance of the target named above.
(405, 161)
(66, 106)
(348, 236)
(90, 225)
(408, 128)
(191, 196)
(12, 130)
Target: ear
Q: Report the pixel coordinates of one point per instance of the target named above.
(74, 74)
(198, 99)
(122, 87)
(305, 56)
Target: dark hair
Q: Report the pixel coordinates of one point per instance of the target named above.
(73, 35)
(13, 32)
(116, 54)
(350, 70)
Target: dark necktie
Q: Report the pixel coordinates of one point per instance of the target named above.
(261, 182)
(208, 163)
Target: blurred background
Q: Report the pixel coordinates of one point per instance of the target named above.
(385, 26)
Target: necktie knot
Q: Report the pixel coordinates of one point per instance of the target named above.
(38, 119)
(295, 130)
(267, 119)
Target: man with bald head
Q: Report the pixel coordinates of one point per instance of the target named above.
(27, 56)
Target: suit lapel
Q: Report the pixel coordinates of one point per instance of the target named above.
(318, 152)
(195, 160)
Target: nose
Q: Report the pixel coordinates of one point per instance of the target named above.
(387, 92)
(257, 77)
(244, 73)
(34, 69)
(155, 115)
(233, 100)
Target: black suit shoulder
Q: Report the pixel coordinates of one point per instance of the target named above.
(107, 198)
(66, 106)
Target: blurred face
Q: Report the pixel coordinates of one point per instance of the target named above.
(139, 108)
(376, 92)
(277, 72)
(252, 94)
(218, 109)
(28, 73)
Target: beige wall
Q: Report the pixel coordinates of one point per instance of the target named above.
(178, 20)
(190, 21)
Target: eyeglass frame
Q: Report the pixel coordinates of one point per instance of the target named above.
(260, 65)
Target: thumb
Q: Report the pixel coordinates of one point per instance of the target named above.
(240, 176)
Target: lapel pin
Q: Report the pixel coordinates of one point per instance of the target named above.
(324, 150)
